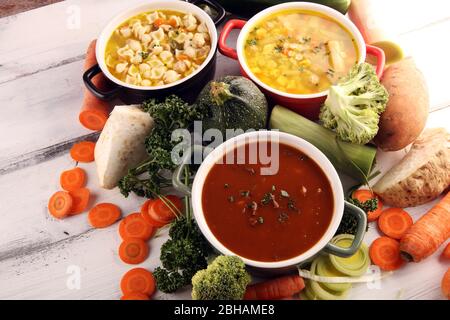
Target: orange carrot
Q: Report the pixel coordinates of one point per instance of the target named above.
(394, 222)
(103, 215)
(138, 280)
(428, 233)
(182, 57)
(73, 179)
(274, 289)
(172, 22)
(158, 22)
(446, 253)
(133, 251)
(135, 296)
(146, 216)
(60, 204)
(80, 199)
(83, 151)
(445, 284)
(364, 195)
(163, 211)
(385, 253)
(135, 226)
(94, 112)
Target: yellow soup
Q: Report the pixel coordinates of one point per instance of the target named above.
(157, 48)
(300, 52)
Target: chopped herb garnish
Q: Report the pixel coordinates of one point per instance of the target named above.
(252, 205)
(252, 42)
(144, 54)
(278, 49)
(306, 39)
(301, 69)
(267, 198)
(292, 206)
(283, 217)
(330, 72)
(245, 193)
(284, 194)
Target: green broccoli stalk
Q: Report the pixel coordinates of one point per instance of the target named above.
(224, 279)
(354, 105)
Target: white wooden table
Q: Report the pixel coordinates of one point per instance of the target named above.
(41, 59)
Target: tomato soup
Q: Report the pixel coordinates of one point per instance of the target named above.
(268, 218)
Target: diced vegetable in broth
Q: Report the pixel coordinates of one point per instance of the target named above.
(157, 48)
(300, 52)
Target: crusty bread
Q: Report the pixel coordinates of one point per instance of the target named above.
(422, 175)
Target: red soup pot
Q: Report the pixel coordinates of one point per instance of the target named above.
(305, 104)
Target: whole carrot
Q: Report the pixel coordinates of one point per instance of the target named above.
(279, 288)
(428, 233)
(445, 284)
(94, 112)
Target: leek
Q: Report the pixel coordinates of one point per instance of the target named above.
(355, 160)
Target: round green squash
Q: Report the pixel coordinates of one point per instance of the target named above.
(233, 102)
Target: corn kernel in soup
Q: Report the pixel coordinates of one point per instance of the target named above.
(300, 52)
(157, 48)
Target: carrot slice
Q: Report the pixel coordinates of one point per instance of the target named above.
(103, 215)
(80, 199)
(364, 195)
(394, 222)
(73, 179)
(135, 296)
(83, 151)
(138, 280)
(133, 251)
(446, 252)
(445, 284)
(146, 216)
(60, 204)
(135, 226)
(385, 253)
(165, 211)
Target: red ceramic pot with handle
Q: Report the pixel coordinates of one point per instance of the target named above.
(305, 104)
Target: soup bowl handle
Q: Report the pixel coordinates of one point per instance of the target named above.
(178, 174)
(103, 95)
(361, 217)
(379, 54)
(229, 26)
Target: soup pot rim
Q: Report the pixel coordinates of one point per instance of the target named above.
(313, 7)
(311, 151)
(184, 7)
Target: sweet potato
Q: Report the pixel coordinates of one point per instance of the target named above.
(407, 110)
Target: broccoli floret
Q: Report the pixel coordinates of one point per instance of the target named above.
(354, 105)
(224, 279)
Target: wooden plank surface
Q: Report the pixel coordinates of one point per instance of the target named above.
(40, 94)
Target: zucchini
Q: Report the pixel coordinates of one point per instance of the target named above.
(248, 8)
(233, 103)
